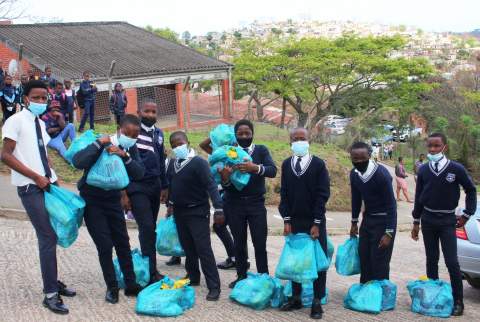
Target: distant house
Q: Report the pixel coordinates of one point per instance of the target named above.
(147, 65)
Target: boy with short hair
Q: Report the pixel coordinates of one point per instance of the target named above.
(118, 102)
(436, 199)
(88, 90)
(304, 191)
(190, 185)
(371, 184)
(24, 151)
(103, 211)
(8, 98)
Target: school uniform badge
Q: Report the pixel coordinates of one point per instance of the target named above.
(450, 177)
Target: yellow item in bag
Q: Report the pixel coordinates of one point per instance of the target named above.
(423, 278)
(181, 283)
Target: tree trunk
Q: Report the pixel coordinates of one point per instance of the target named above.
(302, 119)
(284, 111)
(259, 106)
(249, 108)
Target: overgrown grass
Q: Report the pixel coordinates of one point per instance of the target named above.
(277, 141)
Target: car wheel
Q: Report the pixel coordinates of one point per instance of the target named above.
(474, 282)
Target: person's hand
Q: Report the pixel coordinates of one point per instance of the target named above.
(415, 231)
(113, 149)
(219, 218)
(354, 230)
(225, 173)
(461, 221)
(163, 195)
(385, 241)
(248, 166)
(314, 232)
(169, 211)
(104, 140)
(125, 201)
(42, 182)
(56, 113)
(287, 229)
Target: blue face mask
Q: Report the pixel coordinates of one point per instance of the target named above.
(435, 157)
(300, 148)
(37, 108)
(181, 152)
(126, 142)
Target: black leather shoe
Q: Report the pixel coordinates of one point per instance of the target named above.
(293, 303)
(174, 261)
(227, 264)
(64, 291)
(458, 308)
(213, 294)
(232, 284)
(55, 304)
(155, 277)
(112, 295)
(317, 310)
(132, 289)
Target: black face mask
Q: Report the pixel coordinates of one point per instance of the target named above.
(148, 121)
(361, 166)
(244, 142)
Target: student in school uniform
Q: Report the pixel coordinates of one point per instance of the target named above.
(304, 192)
(174, 260)
(190, 185)
(371, 184)
(143, 197)
(104, 216)
(246, 208)
(24, 151)
(8, 98)
(436, 199)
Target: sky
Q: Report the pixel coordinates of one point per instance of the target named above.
(200, 17)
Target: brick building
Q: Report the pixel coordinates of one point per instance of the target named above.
(148, 66)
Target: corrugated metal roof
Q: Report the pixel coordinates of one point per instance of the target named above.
(71, 48)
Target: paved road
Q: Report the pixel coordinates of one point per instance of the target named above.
(78, 266)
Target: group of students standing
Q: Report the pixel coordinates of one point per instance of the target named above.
(186, 185)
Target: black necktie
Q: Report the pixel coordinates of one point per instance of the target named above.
(298, 167)
(246, 150)
(436, 166)
(42, 149)
(180, 161)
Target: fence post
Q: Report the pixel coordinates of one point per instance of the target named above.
(110, 92)
(184, 103)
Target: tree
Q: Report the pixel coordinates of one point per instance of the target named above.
(186, 36)
(166, 33)
(237, 35)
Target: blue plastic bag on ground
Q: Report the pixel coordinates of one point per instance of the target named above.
(371, 297)
(431, 297)
(256, 291)
(348, 260)
(278, 297)
(65, 214)
(156, 301)
(307, 293)
(320, 258)
(230, 156)
(80, 143)
(168, 243)
(141, 268)
(108, 173)
(221, 135)
(297, 262)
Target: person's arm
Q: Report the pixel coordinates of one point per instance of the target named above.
(267, 168)
(205, 145)
(126, 100)
(418, 206)
(392, 214)
(13, 163)
(112, 103)
(86, 158)
(133, 164)
(283, 207)
(161, 160)
(206, 179)
(356, 199)
(470, 193)
(322, 193)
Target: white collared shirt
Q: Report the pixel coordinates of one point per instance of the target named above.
(371, 167)
(249, 149)
(20, 128)
(146, 128)
(304, 162)
(441, 164)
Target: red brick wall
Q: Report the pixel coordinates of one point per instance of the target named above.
(132, 100)
(7, 54)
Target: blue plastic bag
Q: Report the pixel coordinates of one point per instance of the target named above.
(431, 297)
(108, 173)
(230, 156)
(221, 135)
(168, 243)
(141, 268)
(307, 293)
(371, 297)
(330, 250)
(278, 297)
(348, 260)
(165, 302)
(320, 258)
(65, 214)
(297, 262)
(80, 143)
(255, 291)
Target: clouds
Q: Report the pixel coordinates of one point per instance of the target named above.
(200, 17)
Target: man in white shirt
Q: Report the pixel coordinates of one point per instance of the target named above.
(24, 151)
